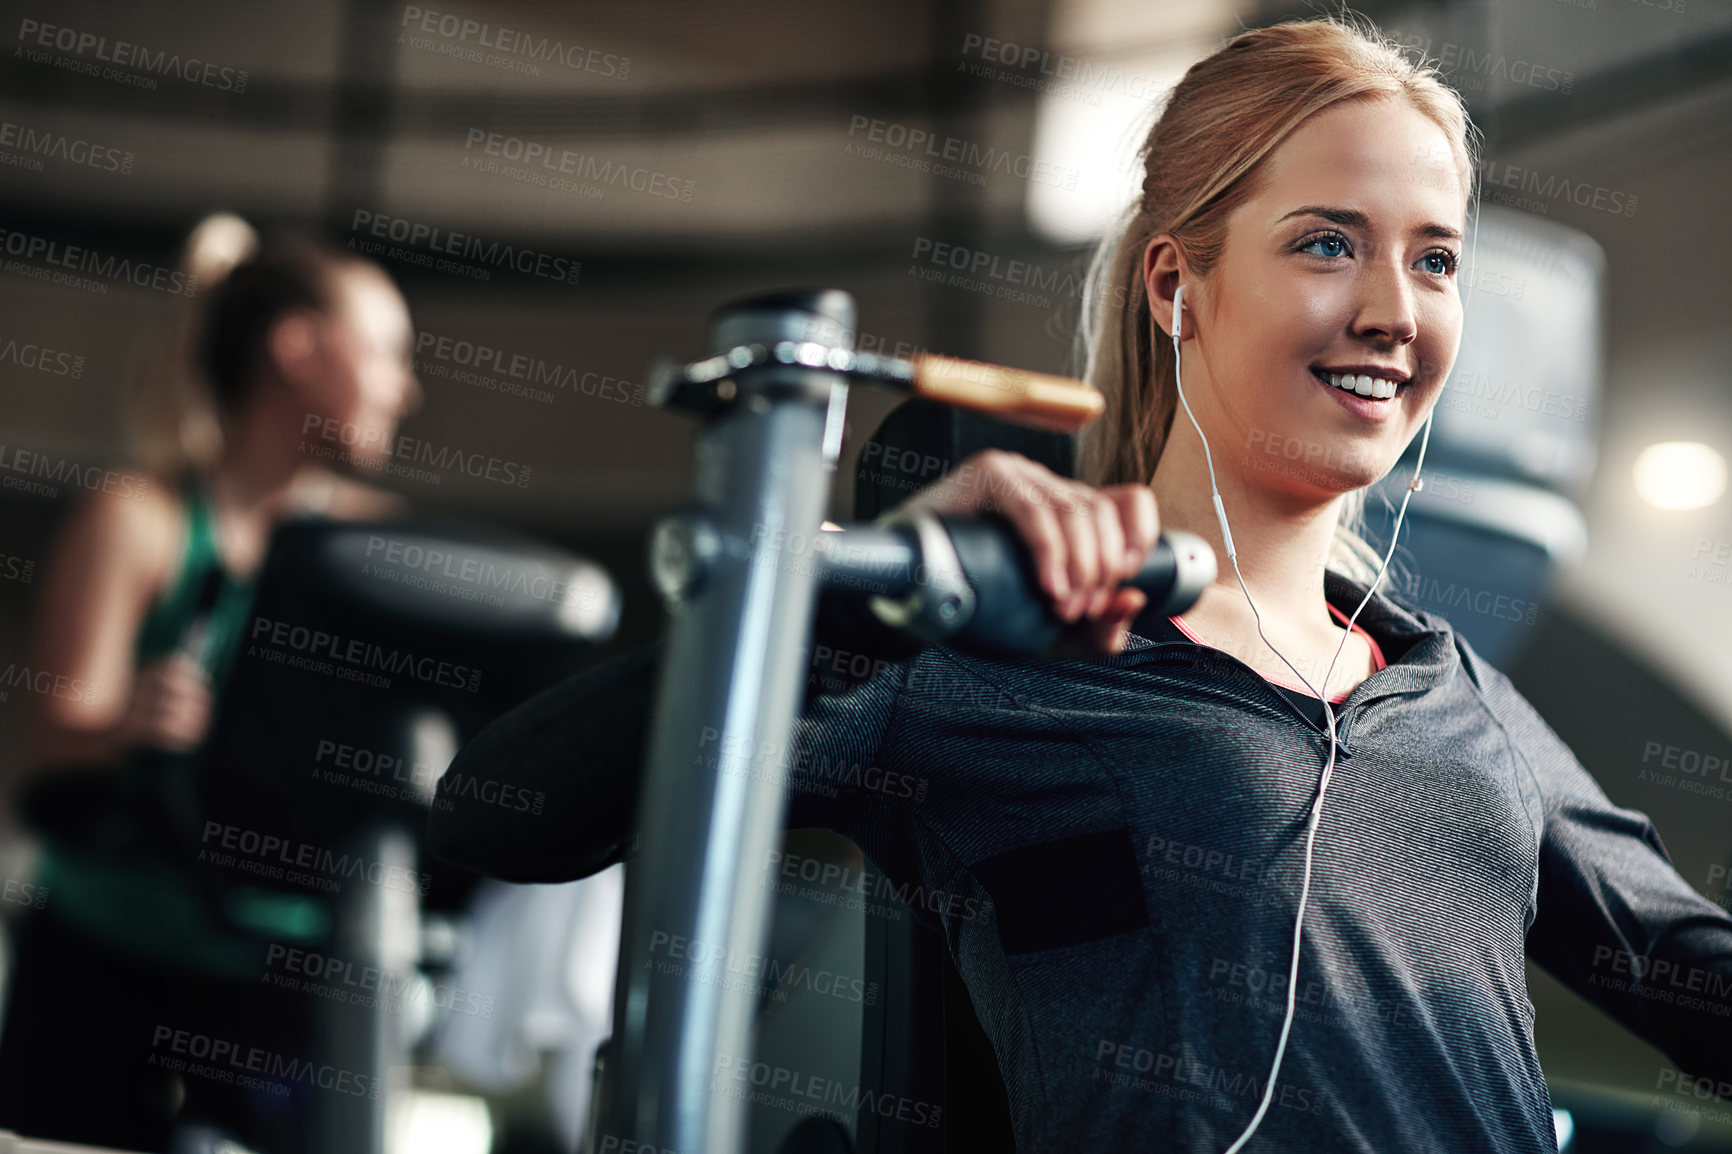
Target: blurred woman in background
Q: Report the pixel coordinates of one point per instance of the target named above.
(145, 598)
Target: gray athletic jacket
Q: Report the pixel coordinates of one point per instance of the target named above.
(1114, 846)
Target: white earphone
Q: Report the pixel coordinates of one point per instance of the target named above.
(1316, 815)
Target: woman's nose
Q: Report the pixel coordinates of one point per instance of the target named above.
(410, 401)
(1386, 306)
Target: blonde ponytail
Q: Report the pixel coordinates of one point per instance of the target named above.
(175, 421)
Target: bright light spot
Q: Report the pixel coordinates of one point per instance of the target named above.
(1680, 475)
(1099, 146)
(589, 607)
(437, 1123)
(1093, 127)
(1112, 66)
(1677, 1127)
(1565, 1124)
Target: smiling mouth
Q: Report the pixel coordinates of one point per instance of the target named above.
(1371, 388)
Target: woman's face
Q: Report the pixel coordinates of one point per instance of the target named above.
(365, 377)
(1345, 260)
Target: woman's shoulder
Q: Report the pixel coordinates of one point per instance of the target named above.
(127, 532)
(134, 509)
(352, 500)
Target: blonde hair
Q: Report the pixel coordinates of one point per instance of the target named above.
(175, 420)
(1201, 160)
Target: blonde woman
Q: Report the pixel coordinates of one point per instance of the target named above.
(146, 598)
(1221, 917)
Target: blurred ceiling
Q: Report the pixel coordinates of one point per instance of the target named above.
(746, 108)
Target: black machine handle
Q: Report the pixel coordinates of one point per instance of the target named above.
(970, 582)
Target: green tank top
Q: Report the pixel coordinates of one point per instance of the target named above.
(151, 908)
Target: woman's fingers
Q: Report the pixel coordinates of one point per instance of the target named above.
(1085, 541)
(1042, 528)
(1106, 633)
(1063, 524)
(171, 705)
(1110, 535)
(1140, 519)
(1113, 626)
(1028, 495)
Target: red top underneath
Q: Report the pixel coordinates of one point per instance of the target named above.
(1377, 660)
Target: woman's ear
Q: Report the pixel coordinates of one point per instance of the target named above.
(292, 347)
(1163, 273)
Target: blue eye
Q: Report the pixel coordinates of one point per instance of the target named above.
(1323, 238)
(1448, 258)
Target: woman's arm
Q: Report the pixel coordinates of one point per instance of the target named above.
(352, 500)
(112, 560)
(1615, 921)
(578, 750)
(580, 746)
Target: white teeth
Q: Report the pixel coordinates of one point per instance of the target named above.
(1365, 386)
